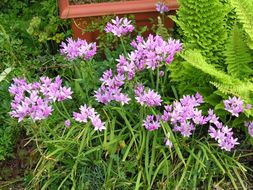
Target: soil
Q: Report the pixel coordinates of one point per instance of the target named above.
(15, 169)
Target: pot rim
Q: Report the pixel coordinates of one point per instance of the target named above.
(110, 8)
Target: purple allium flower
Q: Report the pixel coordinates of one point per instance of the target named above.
(78, 49)
(119, 27)
(152, 52)
(161, 7)
(148, 98)
(110, 89)
(34, 100)
(184, 114)
(152, 122)
(86, 113)
(122, 98)
(212, 118)
(67, 123)
(234, 106)
(250, 127)
(97, 123)
(166, 113)
(224, 136)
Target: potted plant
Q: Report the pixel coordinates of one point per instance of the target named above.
(143, 10)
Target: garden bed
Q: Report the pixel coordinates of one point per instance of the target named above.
(169, 110)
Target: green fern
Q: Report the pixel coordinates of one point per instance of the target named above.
(238, 57)
(188, 79)
(225, 83)
(244, 12)
(203, 25)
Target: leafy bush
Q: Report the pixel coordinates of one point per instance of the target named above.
(8, 127)
(136, 122)
(20, 51)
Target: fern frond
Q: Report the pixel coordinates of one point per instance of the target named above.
(203, 25)
(238, 56)
(225, 83)
(195, 58)
(244, 11)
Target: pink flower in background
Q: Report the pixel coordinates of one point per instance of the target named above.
(119, 26)
(161, 7)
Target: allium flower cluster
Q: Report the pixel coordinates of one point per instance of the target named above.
(161, 7)
(33, 100)
(222, 134)
(74, 49)
(152, 122)
(147, 97)
(250, 127)
(111, 89)
(119, 26)
(184, 114)
(234, 106)
(152, 52)
(86, 113)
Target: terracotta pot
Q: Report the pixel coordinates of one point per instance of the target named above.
(144, 11)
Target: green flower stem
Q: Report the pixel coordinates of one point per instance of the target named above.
(152, 78)
(152, 160)
(59, 111)
(147, 159)
(128, 124)
(157, 79)
(124, 48)
(143, 132)
(66, 111)
(164, 81)
(35, 129)
(78, 74)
